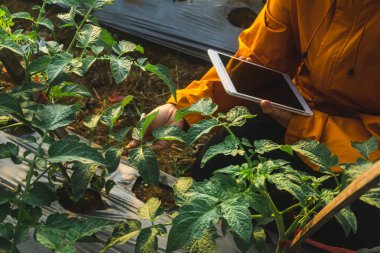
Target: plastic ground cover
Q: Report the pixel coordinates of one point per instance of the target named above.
(190, 26)
(121, 203)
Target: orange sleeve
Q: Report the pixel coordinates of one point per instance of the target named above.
(336, 132)
(269, 42)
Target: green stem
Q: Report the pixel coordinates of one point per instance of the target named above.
(12, 125)
(79, 28)
(256, 216)
(290, 208)
(293, 226)
(29, 176)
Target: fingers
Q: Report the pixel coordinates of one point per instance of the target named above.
(161, 145)
(248, 59)
(132, 144)
(281, 116)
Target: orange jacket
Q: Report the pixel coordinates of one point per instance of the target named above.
(332, 49)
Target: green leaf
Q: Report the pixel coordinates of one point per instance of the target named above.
(151, 210)
(181, 188)
(67, 89)
(71, 150)
(26, 89)
(92, 122)
(317, 153)
(124, 47)
(120, 135)
(58, 65)
(81, 179)
(192, 223)
(367, 147)
(61, 232)
(113, 156)
(88, 35)
(47, 23)
(120, 68)
(6, 195)
(144, 160)
(8, 104)
(199, 129)
(106, 39)
(204, 106)
(40, 195)
(230, 146)
(8, 150)
(5, 210)
(169, 133)
(30, 215)
(259, 237)
(235, 212)
(347, 220)
(87, 63)
(51, 117)
(122, 233)
(113, 113)
(147, 241)
(205, 244)
(164, 74)
(238, 115)
(139, 132)
(6, 231)
(16, 48)
(22, 15)
(265, 146)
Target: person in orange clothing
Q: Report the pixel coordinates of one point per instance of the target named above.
(331, 49)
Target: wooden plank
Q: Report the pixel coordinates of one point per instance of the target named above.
(358, 187)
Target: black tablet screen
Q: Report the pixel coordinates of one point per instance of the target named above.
(260, 82)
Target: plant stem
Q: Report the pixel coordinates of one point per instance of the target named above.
(12, 125)
(79, 28)
(290, 208)
(29, 176)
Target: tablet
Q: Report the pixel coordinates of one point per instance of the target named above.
(253, 82)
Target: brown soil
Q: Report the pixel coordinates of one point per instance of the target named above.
(91, 201)
(164, 193)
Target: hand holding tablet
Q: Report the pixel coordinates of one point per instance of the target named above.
(256, 83)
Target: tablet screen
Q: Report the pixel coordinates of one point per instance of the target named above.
(260, 82)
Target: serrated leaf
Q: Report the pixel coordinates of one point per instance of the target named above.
(191, 223)
(230, 146)
(81, 179)
(144, 160)
(61, 232)
(70, 90)
(235, 212)
(151, 210)
(265, 146)
(164, 74)
(238, 115)
(38, 65)
(113, 113)
(58, 65)
(199, 129)
(122, 233)
(139, 132)
(88, 35)
(169, 133)
(204, 106)
(9, 104)
(40, 195)
(120, 68)
(180, 189)
(147, 241)
(51, 117)
(367, 147)
(71, 150)
(347, 220)
(317, 153)
(205, 244)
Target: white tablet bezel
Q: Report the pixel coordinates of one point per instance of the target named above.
(230, 88)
